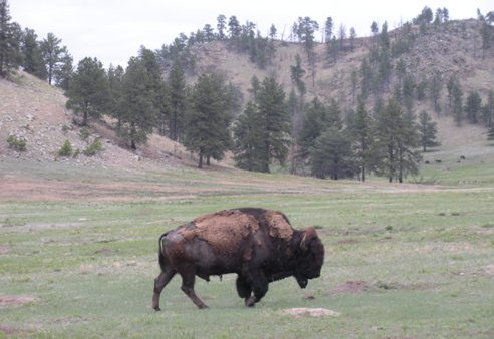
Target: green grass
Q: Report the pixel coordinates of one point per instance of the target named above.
(426, 255)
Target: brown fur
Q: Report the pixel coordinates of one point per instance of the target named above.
(211, 228)
(278, 225)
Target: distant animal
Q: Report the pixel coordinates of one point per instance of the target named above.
(462, 157)
(259, 245)
(438, 160)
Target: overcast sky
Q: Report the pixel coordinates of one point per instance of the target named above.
(113, 30)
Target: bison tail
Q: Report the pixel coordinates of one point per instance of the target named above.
(161, 257)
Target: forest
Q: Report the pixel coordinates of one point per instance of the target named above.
(270, 126)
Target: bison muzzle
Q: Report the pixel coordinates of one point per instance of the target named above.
(260, 246)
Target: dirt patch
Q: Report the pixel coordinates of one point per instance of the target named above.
(4, 250)
(12, 331)
(224, 230)
(15, 300)
(489, 270)
(311, 312)
(351, 287)
(278, 225)
(348, 241)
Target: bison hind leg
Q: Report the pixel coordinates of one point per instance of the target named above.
(244, 290)
(159, 283)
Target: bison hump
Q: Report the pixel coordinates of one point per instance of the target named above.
(224, 231)
(278, 225)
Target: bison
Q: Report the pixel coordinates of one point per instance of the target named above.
(259, 245)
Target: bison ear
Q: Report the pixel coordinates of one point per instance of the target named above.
(309, 233)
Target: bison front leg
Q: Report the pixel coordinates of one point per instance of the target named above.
(259, 284)
(188, 282)
(159, 283)
(244, 290)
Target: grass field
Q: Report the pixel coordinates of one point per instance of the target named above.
(78, 254)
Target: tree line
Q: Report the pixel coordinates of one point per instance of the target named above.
(210, 118)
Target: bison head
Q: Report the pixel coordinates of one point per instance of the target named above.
(311, 257)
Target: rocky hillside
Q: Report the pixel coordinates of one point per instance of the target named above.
(448, 49)
(34, 111)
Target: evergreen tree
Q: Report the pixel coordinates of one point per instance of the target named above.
(427, 131)
(248, 139)
(436, 87)
(177, 101)
(361, 130)
(473, 107)
(115, 88)
(457, 105)
(296, 74)
(315, 121)
(32, 55)
(52, 52)
(221, 26)
(394, 151)
(208, 121)
(137, 110)
(488, 110)
(88, 91)
(63, 73)
(10, 38)
(409, 93)
(150, 62)
(353, 35)
(328, 29)
(274, 122)
(332, 156)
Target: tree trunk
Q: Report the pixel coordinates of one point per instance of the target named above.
(200, 160)
(363, 173)
(208, 160)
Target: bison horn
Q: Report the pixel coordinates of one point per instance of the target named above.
(308, 235)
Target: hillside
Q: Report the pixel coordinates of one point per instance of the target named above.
(32, 110)
(35, 111)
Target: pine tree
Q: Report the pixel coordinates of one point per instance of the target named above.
(32, 55)
(248, 139)
(488, 110)
(137, 110)
(88, 91)
(115, 87)
(315, 121)
(458, 105)
(274, 122)
(296, 74)
(473, 107)
(394, 151)
(331, 155)
(52, 52)
(361, 130)
(178, 101)
(436, 87)
(10, 39)
(208, 121)
(490, 133)
(64, 72)
(221, 26)
(427, 131)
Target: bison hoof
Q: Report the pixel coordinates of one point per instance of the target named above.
(203, 306)
(156, 308)
(250, 302)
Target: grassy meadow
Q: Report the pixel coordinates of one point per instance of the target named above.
(78, 254)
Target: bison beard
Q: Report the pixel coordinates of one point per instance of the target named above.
(260, 246)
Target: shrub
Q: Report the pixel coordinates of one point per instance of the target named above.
(93, 148)
(66, 149)
(19, 144)
(84, 133)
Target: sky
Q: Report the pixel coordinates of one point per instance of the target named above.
(113, 30)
